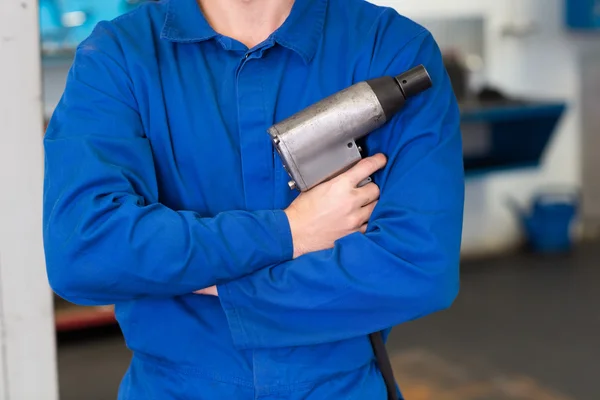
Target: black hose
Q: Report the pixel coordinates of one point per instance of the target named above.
(384, 364)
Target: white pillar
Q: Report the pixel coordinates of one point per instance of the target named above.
(27, 344)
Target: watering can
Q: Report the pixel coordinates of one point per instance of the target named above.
(547, 223)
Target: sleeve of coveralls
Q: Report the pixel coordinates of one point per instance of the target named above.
(405, 266)
(106, 236)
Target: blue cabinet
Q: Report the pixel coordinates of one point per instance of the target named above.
(507, 135)
(65, 23)
(583, 14)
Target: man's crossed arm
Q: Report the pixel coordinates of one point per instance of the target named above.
(108, 239)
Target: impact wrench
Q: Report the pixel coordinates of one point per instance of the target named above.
(320, 142)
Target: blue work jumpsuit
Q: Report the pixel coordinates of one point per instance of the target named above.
(161, 180)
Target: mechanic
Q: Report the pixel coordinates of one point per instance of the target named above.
(164, 196)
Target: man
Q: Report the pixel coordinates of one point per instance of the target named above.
(164, 196)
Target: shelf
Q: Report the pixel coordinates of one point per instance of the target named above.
(510, 110)
(507, 135)
(69, 317)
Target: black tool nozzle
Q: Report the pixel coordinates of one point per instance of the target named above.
(392, 92)
(414, 81)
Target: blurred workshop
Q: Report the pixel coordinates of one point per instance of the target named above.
(526, 323)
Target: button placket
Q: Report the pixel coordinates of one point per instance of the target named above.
(255, 144)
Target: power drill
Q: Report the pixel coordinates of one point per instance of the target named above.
(320, 142)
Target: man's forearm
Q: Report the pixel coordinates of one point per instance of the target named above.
(153, 251)
(107, 235)
(355, 289)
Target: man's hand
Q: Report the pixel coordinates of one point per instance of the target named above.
(331, 210)
(211, 291)
(335, 208)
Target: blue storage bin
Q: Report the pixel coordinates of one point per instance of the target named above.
(583, 14)
(548, 223)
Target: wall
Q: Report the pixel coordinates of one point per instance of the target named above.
(590, 121)
(27, 347)
(541, 63)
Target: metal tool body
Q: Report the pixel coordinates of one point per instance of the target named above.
(319, 142)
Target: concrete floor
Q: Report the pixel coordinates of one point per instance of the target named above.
(524, 327)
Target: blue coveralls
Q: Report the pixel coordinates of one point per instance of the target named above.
(161, 180)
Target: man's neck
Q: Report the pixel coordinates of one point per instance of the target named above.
(248, 21)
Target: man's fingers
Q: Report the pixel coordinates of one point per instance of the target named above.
(210, 291)
(365, 168)
(363, 229)
(368, 194)
(366, 211)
